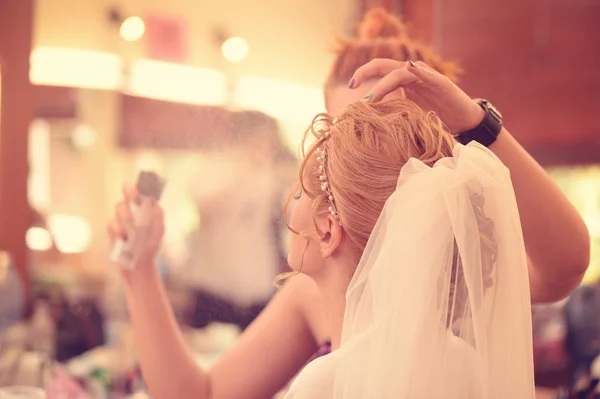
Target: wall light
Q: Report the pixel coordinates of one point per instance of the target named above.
(83, 136)
(235, 49)
(132, 29)
(38, 239)
(59, 66)
(286, 101)
(38, 181)
(72, 234)
(176, 82)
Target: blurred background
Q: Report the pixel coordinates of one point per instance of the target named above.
(214, 96)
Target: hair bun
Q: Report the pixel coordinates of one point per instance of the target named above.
(379, 23)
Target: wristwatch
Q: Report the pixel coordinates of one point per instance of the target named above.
(487, 131)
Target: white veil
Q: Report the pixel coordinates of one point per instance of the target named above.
(439, 306)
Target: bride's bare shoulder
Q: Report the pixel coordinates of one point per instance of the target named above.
(305, 295)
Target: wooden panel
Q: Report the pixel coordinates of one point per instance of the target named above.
(162, 124)
(147, 123)
(577, 154)
(536, 60)
(16, 26)
(54, 102)
(419, 16)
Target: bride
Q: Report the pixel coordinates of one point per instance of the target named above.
(423, 239)
(416, 247)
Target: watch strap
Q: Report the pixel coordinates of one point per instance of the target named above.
(487, 131)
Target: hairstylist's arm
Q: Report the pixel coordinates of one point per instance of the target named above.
(556, 238)
(267, 355)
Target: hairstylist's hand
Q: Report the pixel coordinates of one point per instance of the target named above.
(425, 86)
(122, 225)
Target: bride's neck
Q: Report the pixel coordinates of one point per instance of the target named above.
(332, 288)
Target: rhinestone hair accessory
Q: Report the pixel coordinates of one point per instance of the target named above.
(321, 153)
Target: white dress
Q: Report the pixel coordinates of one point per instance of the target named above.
(316, 380)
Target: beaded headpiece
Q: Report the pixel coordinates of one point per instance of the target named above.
(321, 153)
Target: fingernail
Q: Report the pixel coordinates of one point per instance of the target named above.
(351, 84)
(412, 64)
(368, 97)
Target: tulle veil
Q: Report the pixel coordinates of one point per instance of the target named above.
(439, 306)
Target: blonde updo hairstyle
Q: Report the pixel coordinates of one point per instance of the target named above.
(367, 145)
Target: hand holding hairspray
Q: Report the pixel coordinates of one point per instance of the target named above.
(127, 250)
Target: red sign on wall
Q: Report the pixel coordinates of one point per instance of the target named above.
(166, 38)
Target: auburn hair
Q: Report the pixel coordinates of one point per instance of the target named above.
(382, 35)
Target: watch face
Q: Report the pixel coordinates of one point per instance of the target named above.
(494, 109)
(488, 105)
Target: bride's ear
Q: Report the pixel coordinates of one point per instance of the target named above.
(332, 237)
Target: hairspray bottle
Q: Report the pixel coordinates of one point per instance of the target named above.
(127, 250)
